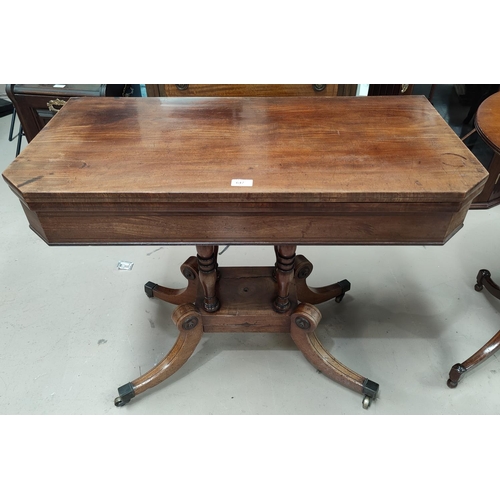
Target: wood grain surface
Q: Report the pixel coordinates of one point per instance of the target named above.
(248, 90)
(488, 121)
(355, 170)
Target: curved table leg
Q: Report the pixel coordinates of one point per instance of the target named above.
(483, 279)
(311, 295)
(173, 295)
(488, 349)
(304, 321)
(189, 322)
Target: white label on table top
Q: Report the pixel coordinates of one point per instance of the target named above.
(59, 86)
(242, 182)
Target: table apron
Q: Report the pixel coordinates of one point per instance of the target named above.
(94, 228)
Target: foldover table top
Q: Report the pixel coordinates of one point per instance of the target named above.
(340, 170)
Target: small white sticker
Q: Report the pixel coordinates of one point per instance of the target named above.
(124, 265)
(59, 86)
(242, 182)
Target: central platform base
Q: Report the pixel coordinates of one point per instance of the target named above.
(246, 296)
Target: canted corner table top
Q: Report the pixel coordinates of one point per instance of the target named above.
(340, 170)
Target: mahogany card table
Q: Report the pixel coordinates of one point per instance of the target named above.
(216, 171)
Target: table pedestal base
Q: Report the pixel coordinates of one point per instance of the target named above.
(246, 298)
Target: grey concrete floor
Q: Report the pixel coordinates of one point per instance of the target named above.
(73, 328)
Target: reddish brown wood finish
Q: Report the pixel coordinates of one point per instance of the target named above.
(180, 296)
(488, 121)
(483, 280)
(207, 268)
(343, 170)
(304, 322)
(285, 266)
(458, 370)
(247, 303)
(488, 127)
(312, 295)
(373, 170)
(248, 90)
(188, 321)
(490, 195)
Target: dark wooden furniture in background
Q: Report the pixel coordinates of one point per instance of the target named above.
(6, 107)
(36, 104)
(475, 95)
(250, 90)
(390, 89)
(488, 127)
(262, 171)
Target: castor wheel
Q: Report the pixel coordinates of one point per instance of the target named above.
(339, 298)
(456, 372)
(149, 288)
(345, 286)
(370, 391)
(481, 275)
(125, 394)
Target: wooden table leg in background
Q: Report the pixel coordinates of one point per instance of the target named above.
(459, 369)
(491, 347)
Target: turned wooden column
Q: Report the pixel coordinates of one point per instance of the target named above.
(285, 264)
(207, 267)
